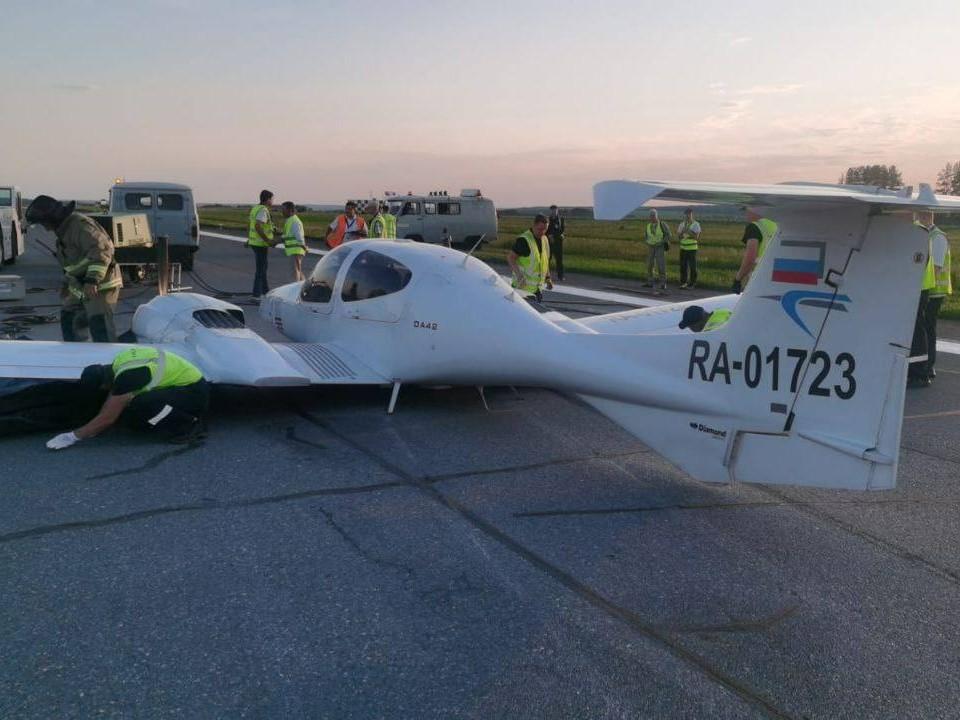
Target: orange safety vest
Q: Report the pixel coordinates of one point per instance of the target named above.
(337, 238)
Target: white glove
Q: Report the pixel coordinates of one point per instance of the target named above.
(63, 440)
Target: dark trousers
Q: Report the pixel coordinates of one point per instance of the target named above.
(260, 286)
(86, 319)
(930, 325)
(919, 346)
(187, 405)
(556, 252)
(688, 266)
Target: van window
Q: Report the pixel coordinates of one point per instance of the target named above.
(170, 201)
(318, 288)
(374, 274)
(430, 208)
(6, 197)
(449, 208)
(410, 208)
(137, 201)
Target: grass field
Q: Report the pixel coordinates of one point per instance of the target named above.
(606, 249)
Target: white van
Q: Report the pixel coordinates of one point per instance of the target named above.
(465, 218)
(170, 209)
(11, 223)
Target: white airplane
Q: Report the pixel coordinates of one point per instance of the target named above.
(804, 385)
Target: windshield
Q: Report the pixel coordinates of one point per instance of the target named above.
(374, 274)
(319, 286)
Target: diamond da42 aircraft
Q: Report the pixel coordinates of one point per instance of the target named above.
(804, 385)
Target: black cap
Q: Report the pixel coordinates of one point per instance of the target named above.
(692, 315)
(95, 377)
(45, 209)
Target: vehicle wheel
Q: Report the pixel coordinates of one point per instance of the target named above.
(13, 248)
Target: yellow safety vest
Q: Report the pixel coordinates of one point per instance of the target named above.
(768, 230)
(717, 318)
(291, 244)
(687, 243)
(653, 237)
(378, 226)
(253, 239)
(391, 221)
(944, 284)
(938, 282)
(166, 368)
(534, 266)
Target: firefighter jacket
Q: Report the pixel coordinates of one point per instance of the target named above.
(86, 253)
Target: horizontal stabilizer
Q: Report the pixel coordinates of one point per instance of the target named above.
(615, 199)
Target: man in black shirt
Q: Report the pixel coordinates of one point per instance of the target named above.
(555, 230)
(753, 246)
(148, 389)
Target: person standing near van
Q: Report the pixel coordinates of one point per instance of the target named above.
(555, 230)
(378, 223)
(91, 278)
(260, 238)
(346, 227)
(390, 219)
(529, 259)
(294, 242)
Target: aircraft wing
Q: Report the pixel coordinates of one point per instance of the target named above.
(615, 199)
(39, 360)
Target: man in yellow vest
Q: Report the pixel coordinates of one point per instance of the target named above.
(294, 242)
(91, 278)
(260, 239)
(529, 259)
(935, 286)
(757, 236)
(390, 219)
(149, 389)
(699, 320)
(656, 235)
(377, 227)
(688, 233)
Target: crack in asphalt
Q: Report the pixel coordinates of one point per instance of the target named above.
(292, 436)
(151, 462)
(531, 466)
(207, 504)
(903, 553)
(724, 506)
(743, 626)
(585, 592)
(365, 554)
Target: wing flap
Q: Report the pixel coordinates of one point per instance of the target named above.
(328, 364)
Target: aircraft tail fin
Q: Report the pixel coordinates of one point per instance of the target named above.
(805, 384)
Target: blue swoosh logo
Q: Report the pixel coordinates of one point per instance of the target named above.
(791, 299)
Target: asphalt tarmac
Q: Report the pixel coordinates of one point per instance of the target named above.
(318, 558)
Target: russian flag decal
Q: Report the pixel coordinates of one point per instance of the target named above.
(802, 262)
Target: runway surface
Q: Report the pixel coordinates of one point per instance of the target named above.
(317, 558)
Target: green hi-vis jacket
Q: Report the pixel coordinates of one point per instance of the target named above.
(86, 253)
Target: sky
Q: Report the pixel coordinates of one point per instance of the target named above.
(531, 101)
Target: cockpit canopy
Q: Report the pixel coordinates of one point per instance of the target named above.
(371, 274)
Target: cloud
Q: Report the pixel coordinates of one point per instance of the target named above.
(730, 112)
(77, 87)
(781, 89)
(743, 40)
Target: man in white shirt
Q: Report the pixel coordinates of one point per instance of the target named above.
(346, 227)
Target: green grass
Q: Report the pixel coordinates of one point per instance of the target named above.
(594, 247)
